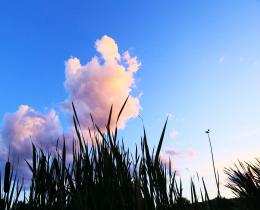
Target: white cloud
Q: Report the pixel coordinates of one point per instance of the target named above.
(93, 87)
(103, 81)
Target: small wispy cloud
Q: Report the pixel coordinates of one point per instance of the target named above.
(221, 60)
(173, 133)
(249, 134)
(191, 153)
(166, 160)
(172, 152)
(176, 154)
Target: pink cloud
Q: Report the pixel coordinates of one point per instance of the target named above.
(174, 153)
(103, 81)
(166, 160)
(93, 87)
(173, 133)
(25, 126)
(191, 153)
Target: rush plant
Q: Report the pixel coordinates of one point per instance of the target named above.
(104, 175)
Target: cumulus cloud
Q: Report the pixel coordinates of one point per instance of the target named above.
(93, 87)
(103, 81)
(26, 125)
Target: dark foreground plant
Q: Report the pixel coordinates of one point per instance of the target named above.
(244, 181)
(104, 175)
(11, 188)
(213, 164)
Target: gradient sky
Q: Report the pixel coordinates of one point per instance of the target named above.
(200, 63)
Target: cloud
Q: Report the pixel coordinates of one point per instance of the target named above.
(93, 87)
(221, 60)
(191, 153)
(24, 126)
(173, 133)
(174, 153)
(103, 81)
(166, 160)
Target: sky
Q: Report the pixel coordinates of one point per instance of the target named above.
(197, 62)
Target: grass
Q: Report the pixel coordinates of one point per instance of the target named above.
(244, 181)
(106, 176)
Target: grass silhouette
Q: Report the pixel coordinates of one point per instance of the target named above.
(104, 175)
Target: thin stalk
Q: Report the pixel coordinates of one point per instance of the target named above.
(213, 162)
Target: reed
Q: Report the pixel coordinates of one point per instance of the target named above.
(7, 177)
(105, 175)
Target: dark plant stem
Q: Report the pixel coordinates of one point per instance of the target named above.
(213, 163)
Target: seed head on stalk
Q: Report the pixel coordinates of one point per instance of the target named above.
(213, 163)
(7, 175)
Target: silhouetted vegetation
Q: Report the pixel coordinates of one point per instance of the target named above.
(244, 181)
(105, 175)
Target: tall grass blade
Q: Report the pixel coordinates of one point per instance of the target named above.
(160, 143)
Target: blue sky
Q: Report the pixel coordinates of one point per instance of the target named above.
(200, 61)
